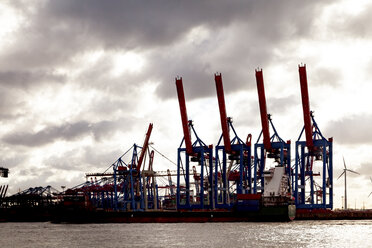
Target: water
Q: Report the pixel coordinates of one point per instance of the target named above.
(346, 233)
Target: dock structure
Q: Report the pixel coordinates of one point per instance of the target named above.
(228, 176)
(225, 182)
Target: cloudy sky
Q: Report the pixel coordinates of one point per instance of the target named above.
(81, 80)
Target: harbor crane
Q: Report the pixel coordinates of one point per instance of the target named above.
(233, 174)
(137, 187)
(315, 149)
(201, 195)
(274, 181)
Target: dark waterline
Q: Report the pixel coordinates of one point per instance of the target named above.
(346, 233)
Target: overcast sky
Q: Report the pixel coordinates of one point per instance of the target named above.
(81, 80)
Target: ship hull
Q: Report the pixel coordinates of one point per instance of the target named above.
(277, 213)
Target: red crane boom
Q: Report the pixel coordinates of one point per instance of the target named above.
(183, 110)
(222, 106)
(306, 107)
(144, 147)
(263, 110)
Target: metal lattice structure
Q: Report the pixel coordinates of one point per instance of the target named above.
(135, 188)
(233, 175)
(197, 192)
(272, 147)
(313, 189)
(129, 187)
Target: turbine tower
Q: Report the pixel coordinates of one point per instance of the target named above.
(344, 173)
(371, 191)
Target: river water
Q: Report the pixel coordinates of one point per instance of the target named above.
(345, 233)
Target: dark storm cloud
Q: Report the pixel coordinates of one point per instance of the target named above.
(69, 161)
(37, 174)
(85, 159)
(351, 130)
(281, 105)
(49, 134)
(15, 86)
(365, 170)
(102, 159)
(59, 30)
(67, 131)
(34, 177)
(12, 161)
(25, 79)
(326, 76)
(11, 104)
(98, 76)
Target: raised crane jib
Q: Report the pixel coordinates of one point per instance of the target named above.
(144, 147)
(306, 107)
(263, 110)
(223, 116)
(183, 110)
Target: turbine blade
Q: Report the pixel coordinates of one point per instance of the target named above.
(370, 194)
(341, 175)
(344, 161)
(353, 171)
(370, 178)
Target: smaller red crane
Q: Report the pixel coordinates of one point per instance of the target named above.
(144, 147)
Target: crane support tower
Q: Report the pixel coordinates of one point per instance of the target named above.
(197, 192)
(313, 189)
(276, 181)
(233, 175)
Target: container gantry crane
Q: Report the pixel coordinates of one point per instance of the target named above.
(274, 182)
(232, 175)
(135, 194)
(316, 149)
(197, 152)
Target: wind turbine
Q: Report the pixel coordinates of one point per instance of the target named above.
(371, 191)
(344, 173)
